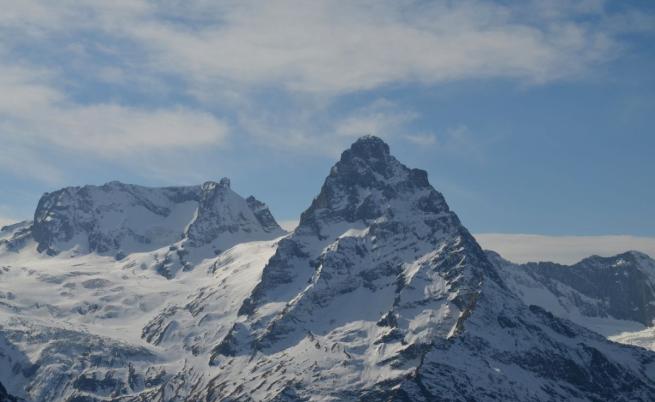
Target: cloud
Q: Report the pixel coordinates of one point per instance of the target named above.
(381, 117)
(340, 47)
(289, 225)
(34, 108)
(37, 118)
(424, 139)
(308, 129)
(6, 221)
(125, 78)
(522, 248)
(116, 130)
(25, 162)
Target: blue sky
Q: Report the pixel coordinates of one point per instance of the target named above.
(531, 117)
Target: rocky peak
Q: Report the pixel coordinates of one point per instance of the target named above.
(369, 147)
(368, 183)
(377, 231)
(366, 161)
(263, 215)
(222, 211)
(211, 186)
(391, 301)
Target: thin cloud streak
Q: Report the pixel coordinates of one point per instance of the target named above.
(523, 248)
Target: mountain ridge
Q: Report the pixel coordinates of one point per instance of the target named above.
(379, 294)
(621, 287)
(118, 219)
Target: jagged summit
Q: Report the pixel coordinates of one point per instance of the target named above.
(381, 240)
(367, 147)
(211, 185)
(368, 183)
(369, 158)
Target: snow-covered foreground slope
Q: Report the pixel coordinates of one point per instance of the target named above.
(80, 326)
(379, 294)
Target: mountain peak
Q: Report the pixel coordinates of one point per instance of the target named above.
(212, 185)
(368, 183)
(118, 218)
(367, 147)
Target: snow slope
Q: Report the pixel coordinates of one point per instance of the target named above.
(610, 295)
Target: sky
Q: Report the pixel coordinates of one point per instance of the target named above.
(531, 117)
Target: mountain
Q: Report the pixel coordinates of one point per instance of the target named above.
(380, 294)
(610, 295)
(79, 282)
(119, 219)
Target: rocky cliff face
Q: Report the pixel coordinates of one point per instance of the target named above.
(379, 294)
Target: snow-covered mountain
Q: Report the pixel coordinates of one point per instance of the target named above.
(122, 218)
(380, 294)
(614, 296)
(119, 219)
(79, 282)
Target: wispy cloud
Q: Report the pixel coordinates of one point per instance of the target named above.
(422, 139)
(382, 118)
(39, 119)
(346, 46)
(170, 75)
(35, 109)
(115, 130)
(339, 47)
(563, 249)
